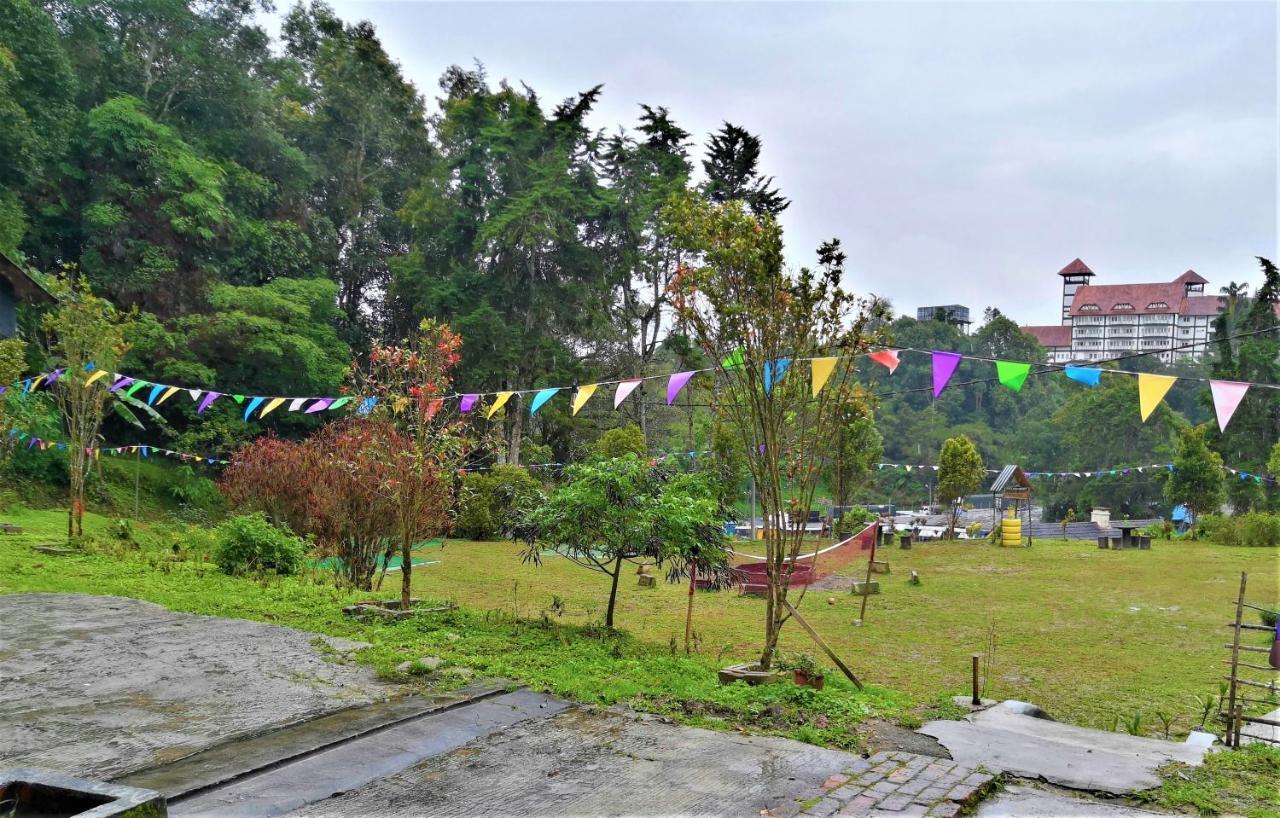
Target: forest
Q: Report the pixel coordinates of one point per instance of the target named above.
(269, 209)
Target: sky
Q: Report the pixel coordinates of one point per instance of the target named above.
(963, 153)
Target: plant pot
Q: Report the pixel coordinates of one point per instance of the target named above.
(751, 674)
(804, 678)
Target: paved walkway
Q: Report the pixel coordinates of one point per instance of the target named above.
(902, 784)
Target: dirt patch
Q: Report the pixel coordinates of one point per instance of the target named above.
(885, 736)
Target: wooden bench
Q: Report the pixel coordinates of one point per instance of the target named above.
(10, 528)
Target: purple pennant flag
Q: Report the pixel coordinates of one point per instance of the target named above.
(53, 376)
(124, 381)
(319, 406)
(675, 384)
(944, 366)
(209, 398)
(468, 403)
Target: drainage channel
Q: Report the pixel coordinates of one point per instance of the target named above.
(279, 772)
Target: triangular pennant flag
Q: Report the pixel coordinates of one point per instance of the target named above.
(624, 388)
(168, 393)
(773, 372)
(253, 404)
(366, 406)
(583, 395)
(53, 376)
(296, 404)
(340, 402)
(136, 386)
(156, 389)
(3, 389)
(1226, 398)
(542, 397)
(468, 403)
(886, 358)
(122, 382)
(1012, 374)
(821, 369)
(320, 405)
(499, 402)
(433, 408)
(238, 398)
(271, 407)
(1087, 375)
(1151, 390)
(944, 366)
(209, 398)
(734, 360)
(675, 383)
(26, 386)
(194, 393)
(101, 373)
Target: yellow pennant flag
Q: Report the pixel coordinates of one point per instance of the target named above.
(271, 406)
(101, 373)
(168, 393)
(583, 395)
(1151, 390)
(501, 401)
(822, 369)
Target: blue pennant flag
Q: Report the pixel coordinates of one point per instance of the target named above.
(773, 372)
(1086, 375)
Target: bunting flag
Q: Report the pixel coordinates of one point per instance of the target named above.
(773, 372)
(296, 404)
(468, 402)
(1151, 390)
(209, 398)
(583, 395)
(238, 398)
(366, 406)
(675, 383)
(734, 360)
(271, 407)
(1012, 374)
(433, 408)
(887, 358)
(156, 389)
(253, 404)
(944, 366)
(101, 373)
(194, 393)
(53, 377)
(339, 403)
(542, 396)
(122, 382)
(624, 388)
(319, 406)
(499, 402)
(1086, 375)
(1226, 399)
(820, 372)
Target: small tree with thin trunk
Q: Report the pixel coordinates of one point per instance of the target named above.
(960, 473)
(1197, 480)
(690, 522)
(85, 336)
(756, 321)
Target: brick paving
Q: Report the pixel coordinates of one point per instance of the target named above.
(902, 785)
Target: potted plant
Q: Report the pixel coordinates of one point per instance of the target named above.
(805, 672)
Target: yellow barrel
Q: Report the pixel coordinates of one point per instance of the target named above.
(1011, 532)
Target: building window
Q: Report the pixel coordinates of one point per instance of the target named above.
(1123, 306)
(1157, 305)
(1090, 308)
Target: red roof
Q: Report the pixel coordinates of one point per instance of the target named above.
(1054, 335)
(1143, 299)
(1076, 268)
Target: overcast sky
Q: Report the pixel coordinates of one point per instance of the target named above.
(963, 153)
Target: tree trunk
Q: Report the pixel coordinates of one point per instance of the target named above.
(406, 574)
(688, 614)
(613, 593)
(517, 433)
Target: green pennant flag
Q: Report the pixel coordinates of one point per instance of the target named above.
(734, 360)
(1012, 374)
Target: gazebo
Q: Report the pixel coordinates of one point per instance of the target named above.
(1011, 490)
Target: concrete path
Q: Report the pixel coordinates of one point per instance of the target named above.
(1268, 733)
(99, 687)
(1025, 801)
(1002, 739)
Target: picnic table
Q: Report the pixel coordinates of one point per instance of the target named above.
(1127, 539)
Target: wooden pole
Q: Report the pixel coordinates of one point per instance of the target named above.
(137, 479)
(977, 699)
(1235, 665)
(822, 644)
(866, 585)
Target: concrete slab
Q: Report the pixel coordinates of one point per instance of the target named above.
(584, 763)
(1023, 801)
(1001, 739)
(1251, 733)
(98, 687)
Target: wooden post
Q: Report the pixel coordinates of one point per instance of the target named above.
(1235, 664)
(786, 603)
(977, 698)
(866, 586)
(137, 479)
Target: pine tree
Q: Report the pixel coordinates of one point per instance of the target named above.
(733, 174)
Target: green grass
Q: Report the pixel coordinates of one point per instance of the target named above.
(1242, 782)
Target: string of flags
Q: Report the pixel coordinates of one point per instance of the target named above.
(1152, 388)
(34, 442)
(1108, 472)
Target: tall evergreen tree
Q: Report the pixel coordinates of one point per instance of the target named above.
(732, 165)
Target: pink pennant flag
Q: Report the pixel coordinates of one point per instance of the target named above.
(468, 403)
(624, 389)
(887, 358)
(319, 406)
(209, 398)
(944, 366)
(675, 384)
(1226, 399)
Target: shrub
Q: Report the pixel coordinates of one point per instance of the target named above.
(1219, 528)
(250, 542)
(622, 440)
(491, 503)
(852, 521)
(1269, 617)
(1260, 530)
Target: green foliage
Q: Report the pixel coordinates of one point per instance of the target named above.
(1259, 529)
(249, 543)
(852, 521)
(1196, 481)
(621, 440)
(960, 472)
(491, 503)
(1238, 782)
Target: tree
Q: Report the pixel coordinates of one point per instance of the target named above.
(735, 297)
(1196, 481)
(621, 440)
(85, 335)
(690, 523)
(733, 174)
(621, 510)
(960, 473)
(858, 447)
